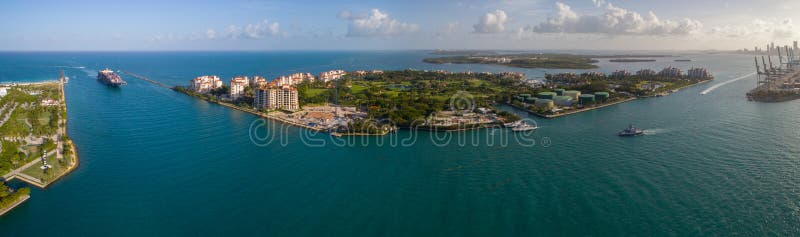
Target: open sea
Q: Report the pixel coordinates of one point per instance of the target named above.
(157, 162)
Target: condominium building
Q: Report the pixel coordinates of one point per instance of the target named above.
(237, 87)
(331, 75)
(204, 84)
(670, 72)
(695, 73)
(646, 73)
(277, 97)
(620, 74)
(258, 81)
(293, 79)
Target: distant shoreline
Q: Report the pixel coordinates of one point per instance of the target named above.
(631, 60)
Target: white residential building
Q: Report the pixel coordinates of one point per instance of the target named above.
(331, 75)
(237, 87)
(258, 81)
(204, 84)
(293, 79)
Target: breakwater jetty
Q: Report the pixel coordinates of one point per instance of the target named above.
(144, 78)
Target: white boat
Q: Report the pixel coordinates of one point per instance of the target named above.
(514, 124)
(523, 128)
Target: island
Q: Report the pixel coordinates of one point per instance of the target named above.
(532, 60)
(34, 142)
(552, 61)
(369, 102)
(366, 103)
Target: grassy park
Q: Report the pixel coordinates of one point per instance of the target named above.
(407, 95)
(32, 122)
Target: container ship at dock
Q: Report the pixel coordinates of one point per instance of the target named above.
(110, 78)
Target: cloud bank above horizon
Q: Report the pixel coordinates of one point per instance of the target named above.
(488, 24)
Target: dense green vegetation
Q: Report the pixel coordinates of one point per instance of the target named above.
(633, 85)
(225, 89)
(30, 117)
(9, 156)
(9, 197)
(208, 96)
(619, 88)
(27, 117)
(408, 95)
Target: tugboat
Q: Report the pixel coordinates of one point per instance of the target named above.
(631, 131)
(110, 78)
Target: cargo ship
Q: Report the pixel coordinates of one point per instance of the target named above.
(110, 78)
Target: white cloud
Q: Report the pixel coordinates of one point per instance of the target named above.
(758, 29)
(258, 30)
(211, 34)
(163, 38)
(599, 3)
(613, 21)
(491, 22)
(376, 23)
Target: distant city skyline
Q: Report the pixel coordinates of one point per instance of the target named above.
(368, 25)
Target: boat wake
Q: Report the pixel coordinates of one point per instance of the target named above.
(655, 131)
(80, 67)
(714, 87)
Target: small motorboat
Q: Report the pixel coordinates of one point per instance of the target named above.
(631, 131)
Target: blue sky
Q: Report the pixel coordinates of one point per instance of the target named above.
(484, 24)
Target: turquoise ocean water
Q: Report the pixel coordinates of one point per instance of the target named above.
(156, 162)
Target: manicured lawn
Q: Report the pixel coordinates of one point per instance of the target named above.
(56, 168)
(45, 117)
(315, 91)
(392, 94)
(357, 89)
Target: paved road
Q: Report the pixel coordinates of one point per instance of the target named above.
(8, 115)
(19, 170)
